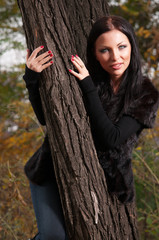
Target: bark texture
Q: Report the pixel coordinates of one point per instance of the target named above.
(63, 26)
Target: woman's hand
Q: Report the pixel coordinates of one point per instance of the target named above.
(38, 64)
(79, 65)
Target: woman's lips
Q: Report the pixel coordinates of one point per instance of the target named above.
(116, 66)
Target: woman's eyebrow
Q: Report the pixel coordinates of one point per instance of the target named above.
(120, 43)
(109, 47)
(106, 46)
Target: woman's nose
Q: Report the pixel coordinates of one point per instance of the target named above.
(115, 55)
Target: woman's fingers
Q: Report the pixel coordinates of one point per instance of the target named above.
(74, 73)
(79, 61)
(45, 59)
(42, 56)
(28, 54)
(76, 64)
(79, 65)
(35, 52)
(46, 65)
(38, 63)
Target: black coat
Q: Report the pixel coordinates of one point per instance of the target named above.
(115, 161)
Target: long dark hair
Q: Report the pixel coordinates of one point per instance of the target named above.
(132, 79)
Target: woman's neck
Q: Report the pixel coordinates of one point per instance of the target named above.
(115, 84)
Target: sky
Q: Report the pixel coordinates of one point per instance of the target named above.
(12, 56)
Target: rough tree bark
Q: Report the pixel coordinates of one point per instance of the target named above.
(63, 26)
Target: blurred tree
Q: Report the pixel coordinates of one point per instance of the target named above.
(20, 134)
(144, 16)
(10, 26)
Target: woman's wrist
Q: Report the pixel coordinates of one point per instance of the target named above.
(84, 77)
(31, 77)
(30, 74)
(87, 84)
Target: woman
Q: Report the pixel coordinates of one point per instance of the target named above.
(120, 103)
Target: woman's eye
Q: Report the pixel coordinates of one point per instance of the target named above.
(122, 46)
(104, 50)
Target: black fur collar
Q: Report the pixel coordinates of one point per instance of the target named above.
(144, 108)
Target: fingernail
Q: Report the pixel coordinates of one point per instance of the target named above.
(72, 59)
(72, 56)
(69, 70)
(51, 55)
(77, 55)
(51, 62)
(49, 52)
(42, 46)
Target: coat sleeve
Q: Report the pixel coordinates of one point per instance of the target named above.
(144, 108)
(107, 133)
(31, 79)
(39, 167)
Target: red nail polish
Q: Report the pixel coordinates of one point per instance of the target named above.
(72, 59)
(77, 55)
(51, 55)
(49, 52)
(69, 70)
(42, 46)
(51, 62)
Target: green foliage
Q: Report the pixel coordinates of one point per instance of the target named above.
(10, 26)
(143, 16)
(20, 136)
(10, 89)
(146, 171)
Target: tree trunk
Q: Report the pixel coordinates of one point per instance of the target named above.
(90, 213)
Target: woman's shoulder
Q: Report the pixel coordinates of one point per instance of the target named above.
(148, 89)
(148, 94)
(144, 106)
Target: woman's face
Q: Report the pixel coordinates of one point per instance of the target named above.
(113, 51)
